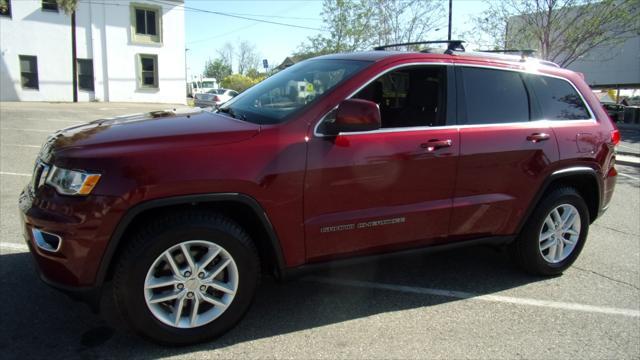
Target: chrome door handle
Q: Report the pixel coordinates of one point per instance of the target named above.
(538, 137)
(435, 144)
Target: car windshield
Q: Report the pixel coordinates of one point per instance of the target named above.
(290, 90)
(216, 91)
(207, 84)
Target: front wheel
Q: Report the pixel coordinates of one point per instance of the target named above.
(554, 235)
(186, 278)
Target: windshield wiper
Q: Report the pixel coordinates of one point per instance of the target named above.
(230, 112)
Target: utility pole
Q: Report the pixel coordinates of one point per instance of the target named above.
(450, 16)
(186, 84)
(74, 57)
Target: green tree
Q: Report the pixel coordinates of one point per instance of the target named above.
(355, 25)
(349, 29)
(248, 57)
(561, 31)
(239, 82)
(68, 6)
(216, 69)
(402, 21)
(226, 54)
(253, 73)
(4, 7)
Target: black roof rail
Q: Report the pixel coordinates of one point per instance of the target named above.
(453, 45)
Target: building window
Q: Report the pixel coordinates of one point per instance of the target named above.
(5, 8)
(50, 5)
(29, 72)
(85, 74)
(145, 24)
(148, 75)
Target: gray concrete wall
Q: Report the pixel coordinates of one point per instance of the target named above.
(607, 65)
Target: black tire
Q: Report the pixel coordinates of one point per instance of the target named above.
(525, 250)
(158, 235)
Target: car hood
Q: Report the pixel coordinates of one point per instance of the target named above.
(190, 127)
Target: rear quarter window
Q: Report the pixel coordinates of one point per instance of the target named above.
(558, 100)
(493, 96)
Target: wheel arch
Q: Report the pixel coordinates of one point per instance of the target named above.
(584, 179)
(241, 208)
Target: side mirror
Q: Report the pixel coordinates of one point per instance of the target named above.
(354, 115)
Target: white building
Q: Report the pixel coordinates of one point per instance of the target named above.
(130, 51)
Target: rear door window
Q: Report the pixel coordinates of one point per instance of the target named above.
(558, 100)
(492, 96)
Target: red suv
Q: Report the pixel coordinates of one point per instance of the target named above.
(338, 157)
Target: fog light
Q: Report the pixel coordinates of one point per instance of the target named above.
(46, 241)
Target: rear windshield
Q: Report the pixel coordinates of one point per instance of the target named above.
(207, 84)
(290, 90)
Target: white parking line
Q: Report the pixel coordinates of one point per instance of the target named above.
(33, 130)
(14, 174)
(21, 145)
(628, 176)
(627, 147)
(64, 121)
(471, 296)
(13, 246)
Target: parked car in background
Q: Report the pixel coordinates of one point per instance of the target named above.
(214, 97)
(202, 86)
(615, 111)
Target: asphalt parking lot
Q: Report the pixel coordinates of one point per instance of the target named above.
(471, 303)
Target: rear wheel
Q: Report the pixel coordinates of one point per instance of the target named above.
(186, 278)
(554, 235)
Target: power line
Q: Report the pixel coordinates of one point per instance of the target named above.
(240, 17)
(222, 35)
(201, 10)
(279, 17)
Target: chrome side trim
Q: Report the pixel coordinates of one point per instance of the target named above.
(592, 119)
(42, 244)
(573, 169)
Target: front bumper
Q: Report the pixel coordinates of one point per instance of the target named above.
(90, 295)
(84, 225)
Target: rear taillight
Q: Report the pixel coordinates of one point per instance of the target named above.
(216, 98)
(615, 137)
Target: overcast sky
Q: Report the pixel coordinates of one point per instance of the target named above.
(206, 32)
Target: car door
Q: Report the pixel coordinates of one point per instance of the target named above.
(389, 188)
(504, 155)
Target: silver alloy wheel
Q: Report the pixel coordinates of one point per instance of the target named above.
(560, 233)
(191, 284)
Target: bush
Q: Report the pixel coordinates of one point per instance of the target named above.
(239, 82)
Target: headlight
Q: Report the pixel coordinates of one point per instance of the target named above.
(71, 182)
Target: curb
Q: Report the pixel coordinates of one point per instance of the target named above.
(626, 153)
(626, 163)
(627, 160)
